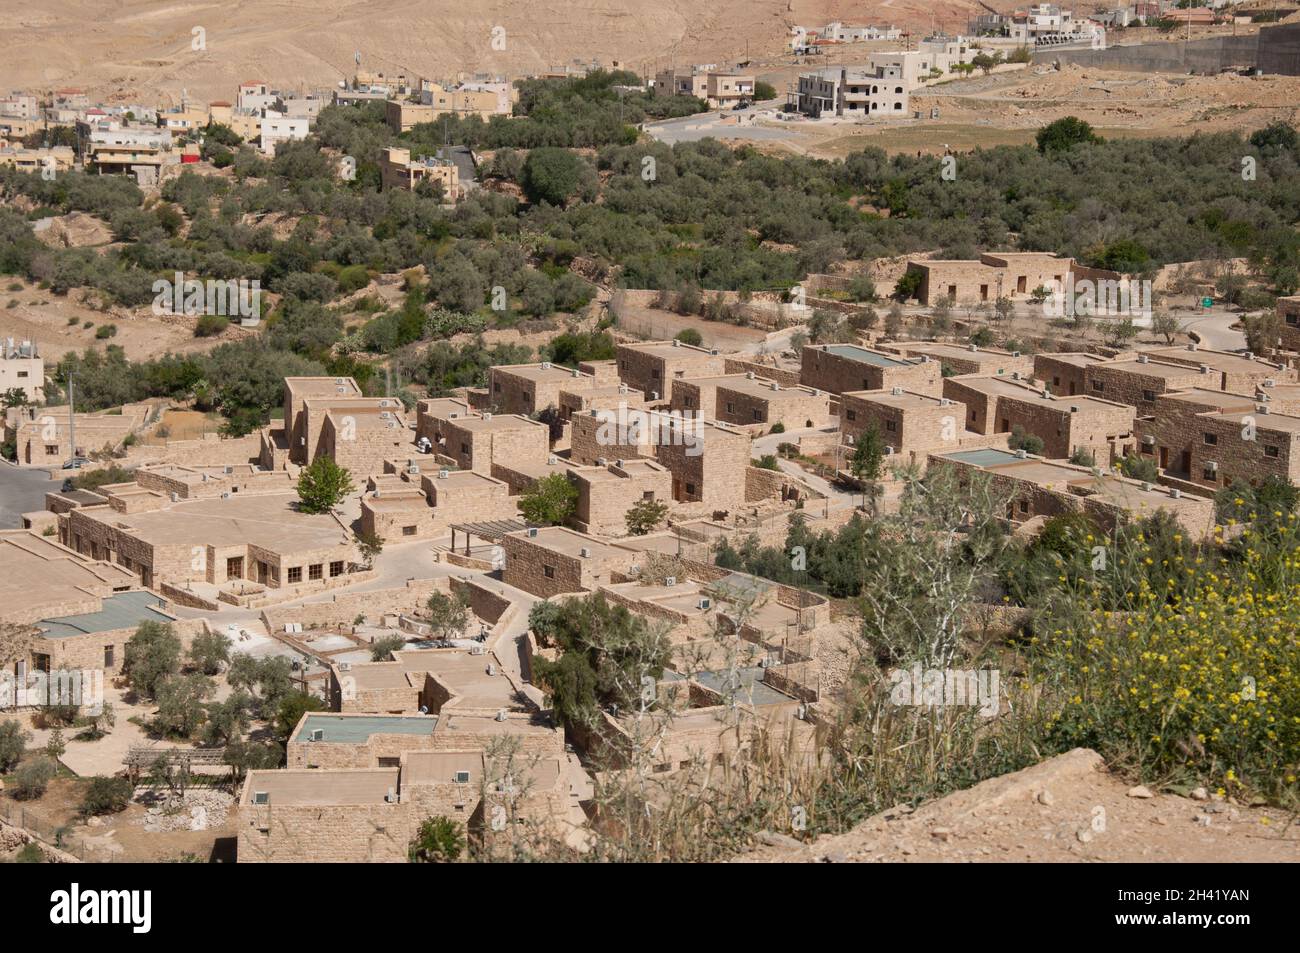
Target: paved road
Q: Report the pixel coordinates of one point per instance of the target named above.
(1213, 329)
(22, 491)
(711, 125)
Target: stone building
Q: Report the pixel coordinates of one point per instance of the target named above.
(401, 510)
(958, 359)
(371, 815)
(995, 405)
(911, 425)
(261, 538)
(605, 494)
(752, 402)
(1213, 439)
(1234, 372)
(706, 460)
(529, 388)
(845, 367)
(1044, 488)
(993, 275)
(475, 443)
(551, 560)
(652, 366)
(358, 438)
(1065, 373)
(432, 416)
(1138, 382)
(43, 436)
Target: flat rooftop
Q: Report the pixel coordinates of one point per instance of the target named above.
(1219, 360)
(35, 570)
(942, 349)
(459, 480)
(496, 422)
(667, 350)
(545, 372)
(746, 684)
(1223, 400)
(305, 788)
(1076, 358)
(1283, 423)
(854, 353)
(904, 401)
(1003, 387)
(1152, 368)
(567, 541)
(305, 387)
(463, 673)
(120, 610)
(357, 729)
(268, 520)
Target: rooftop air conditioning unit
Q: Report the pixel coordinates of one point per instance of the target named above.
(676, 343)
(1015, 353)
(487, 416)
(391, 796)
(1144, 359)
(532, 532)
(340, 390)
(1192, 346)
(654, 395)
(896, 392)
(1148, 440)
(776, 385)
(175, 497)
(340, 380)
(384, 403)
(384, 415)
(705, 603)
(1074, 408)
(413, 468)
(1205, 368)
(1212, 466)
(889, 451)
(230, 469)
(945, 402)
(1021, 454)
(974, 347)
(1267, 382)
(345, 666)
(1263, 409)
(491, 669)
(225, 495)
(1146, 486)
(1015, 375)
(713, 351)
(476, 650)
(546, 365)
(1248, 355)
(461, 777)
(552, 460)
(602, 462)
(585, 552)
(453, 415)
(749, 375)
(318, 734)
(501, 714)
(1176, 494)
(622, 388)
(670, 580)
(443, 474)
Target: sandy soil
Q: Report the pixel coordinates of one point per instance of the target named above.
(1068, 808)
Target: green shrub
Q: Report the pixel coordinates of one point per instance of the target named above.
(31, 779)
(106, 795)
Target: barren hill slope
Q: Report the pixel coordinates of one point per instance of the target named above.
(1068, 808)
(142, 48)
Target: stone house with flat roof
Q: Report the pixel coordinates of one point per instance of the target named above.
(652, 366)
(551, 560)
(847, 367)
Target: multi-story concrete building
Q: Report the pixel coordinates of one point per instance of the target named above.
(56, 159)
(862, 92)
(114, 147)
(721, 89)
(278, 127)
(994, 405)
(22, 368)
(846, 367)
(397, 170)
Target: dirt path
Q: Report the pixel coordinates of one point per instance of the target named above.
(1069, 808)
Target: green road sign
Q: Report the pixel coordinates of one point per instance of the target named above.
(1207, 302)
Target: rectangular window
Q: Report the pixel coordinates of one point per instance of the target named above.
(850, 415)
(891, 426)
(390, 762)
(108, 656)
(757, 415)
(1209, 475)
(548, 572)
(408, 530)
(1270, 451)
(1148, 395)
(1211, 438)
(51, 449)
(336, 568)
(295, 574)
(1098, 386)
(690, 489)
(731, 408)
(316, 571)
(464, 448)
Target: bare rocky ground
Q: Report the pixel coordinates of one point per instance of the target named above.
(1066, 809)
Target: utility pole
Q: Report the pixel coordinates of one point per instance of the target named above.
(72, 416)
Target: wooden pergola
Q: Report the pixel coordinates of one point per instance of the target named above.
(489, 530)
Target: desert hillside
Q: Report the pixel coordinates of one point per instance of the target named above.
(121, 49)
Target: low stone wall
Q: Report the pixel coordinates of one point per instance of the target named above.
(343, 608)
